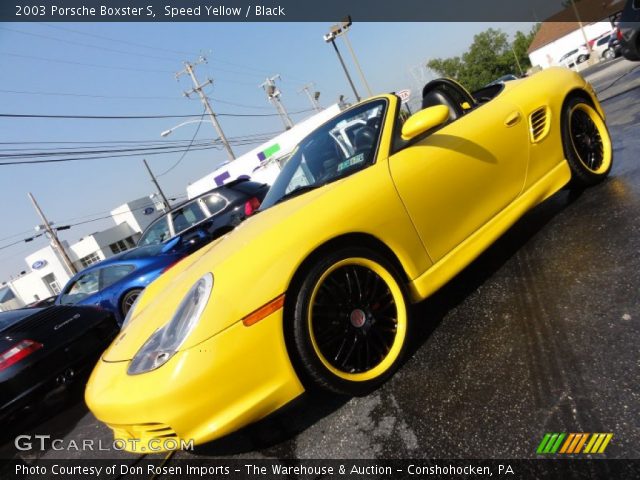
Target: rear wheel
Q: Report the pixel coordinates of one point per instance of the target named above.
(582, 58)
(128, 300)
(586, 143)
(350, 321)
(608, 54)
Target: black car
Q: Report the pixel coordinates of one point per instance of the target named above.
(45, 349)
(206, 217)
(614, 49)
(630, 30)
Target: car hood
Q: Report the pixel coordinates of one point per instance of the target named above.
(237, 261)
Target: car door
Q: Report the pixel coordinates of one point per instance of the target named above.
(84, 290)
(111, 287)
(455, 180)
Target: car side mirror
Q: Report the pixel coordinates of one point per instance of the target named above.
(424, 120)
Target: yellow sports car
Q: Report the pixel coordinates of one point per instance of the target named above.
(373, 211)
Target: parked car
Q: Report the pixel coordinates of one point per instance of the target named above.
(116, 283)
(630, 30)
(314, 291)
(574, 57)
(614, 49)
(43, 350)
(207, 216)
(600, 46)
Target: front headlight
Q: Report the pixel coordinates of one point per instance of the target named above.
(164, 342)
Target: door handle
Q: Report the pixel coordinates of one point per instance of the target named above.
(513, 119)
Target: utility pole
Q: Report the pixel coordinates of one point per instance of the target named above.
(51, 234)
(313, 98)
(273, 94)
(197, 88)
(153, 179)
(586, 40)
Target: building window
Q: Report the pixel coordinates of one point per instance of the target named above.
(52, 283)
(90, 259)
(122, 245)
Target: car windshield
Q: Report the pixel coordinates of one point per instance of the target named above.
(338, 148)
(157, 233)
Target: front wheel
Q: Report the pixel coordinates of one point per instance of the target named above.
(586, 143)
(128, 300)
(582, 58)
(608, 54)
(350, 321)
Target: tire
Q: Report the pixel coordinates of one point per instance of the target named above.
(608, 54)
(586, 143)
(350, 322)
(581, 59)
(128, 300)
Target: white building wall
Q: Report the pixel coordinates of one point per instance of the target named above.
(33, 285)
(548, 55)
(247, 163)
(138, 213)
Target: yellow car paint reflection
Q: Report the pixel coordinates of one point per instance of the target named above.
(367, 216)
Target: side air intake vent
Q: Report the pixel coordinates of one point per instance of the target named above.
(539, 124)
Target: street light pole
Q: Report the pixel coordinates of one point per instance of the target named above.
(331, 38)
(346, 23)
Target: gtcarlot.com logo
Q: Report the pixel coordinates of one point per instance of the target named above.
(574, 443)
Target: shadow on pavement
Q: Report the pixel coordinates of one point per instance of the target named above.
(56, 416)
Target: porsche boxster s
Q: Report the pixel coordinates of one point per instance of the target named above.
(314, 290)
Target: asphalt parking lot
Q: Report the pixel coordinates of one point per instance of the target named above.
(540, 334)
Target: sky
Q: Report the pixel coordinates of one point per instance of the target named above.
(124, 69)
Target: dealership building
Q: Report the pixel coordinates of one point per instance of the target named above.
(47, 274)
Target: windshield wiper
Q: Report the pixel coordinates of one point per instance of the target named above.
(298, 191)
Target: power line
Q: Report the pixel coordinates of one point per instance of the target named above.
(85, 45)
(184, 154)
(146, 153)
(124, 97)
(139, 117)
(86, 95)
(101, 142)
(83, 64)
(124, 42)
(61, 151)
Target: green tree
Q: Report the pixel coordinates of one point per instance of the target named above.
(490, 56)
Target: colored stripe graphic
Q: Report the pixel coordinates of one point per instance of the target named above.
(544, 441)
(573, 443)
(581, 442)
(567, 443)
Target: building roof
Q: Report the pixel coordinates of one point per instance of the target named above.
(564, 22)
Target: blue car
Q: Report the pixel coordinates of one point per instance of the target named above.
(115, 283)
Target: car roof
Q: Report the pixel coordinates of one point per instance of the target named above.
(131, 256)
